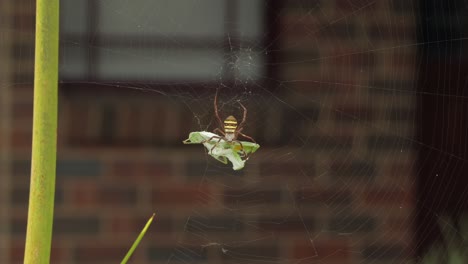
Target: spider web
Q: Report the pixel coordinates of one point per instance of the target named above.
(335, 178)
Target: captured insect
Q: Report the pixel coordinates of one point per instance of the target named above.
(225, 145)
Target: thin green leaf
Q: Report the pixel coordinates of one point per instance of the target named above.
(137, 241)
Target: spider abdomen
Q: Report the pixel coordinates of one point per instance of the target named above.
(230, 124)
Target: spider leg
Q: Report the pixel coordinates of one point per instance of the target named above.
(220, 131)
(219, 140)
(244, 154)
(204, 141)
(239, 132)
(217, 137)
(244, 117)
(248, 137)
(216, 109)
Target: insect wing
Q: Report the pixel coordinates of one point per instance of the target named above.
(247, 147)
(221, 150)
(221, 159)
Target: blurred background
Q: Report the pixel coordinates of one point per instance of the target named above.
(359, 106)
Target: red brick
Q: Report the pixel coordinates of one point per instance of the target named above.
(291, 169)
(252, 254)
(400, 225)
(159, 116)
(21, 139)
(17, 253)
(22, 111)
(118, 195)
(183, 195)
(157, 169)
(98, 252)
(133, 225)
(125, 169)
(324, 197)
(353, 58)
(398, 173)
(90, 194)
(403, 59)
(353, 113)
(317, 250)
(23, 22)
(328, 83)
(388, 197)
(77, 121)
(352, 5)
(340, 30)
(334, 139)
(385, 252)
(129, 170)
(310, 88)
(384, 32)
(296, 30)
(130, 123)
(121, 224)
(84, 194)
(23, 50)
(287, 225)
(81, 225)
(353, 170)
(187, 123)
(251, 196)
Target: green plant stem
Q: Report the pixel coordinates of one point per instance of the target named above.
(43, 161)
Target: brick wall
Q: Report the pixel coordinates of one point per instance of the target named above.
(332, 181)
(5, 126)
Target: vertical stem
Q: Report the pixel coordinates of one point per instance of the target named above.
(43, 162)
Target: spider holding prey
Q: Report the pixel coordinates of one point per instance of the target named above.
(229, 129)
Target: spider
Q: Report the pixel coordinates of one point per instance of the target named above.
(229, 129)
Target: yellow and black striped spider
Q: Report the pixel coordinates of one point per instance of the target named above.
(229, 129)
